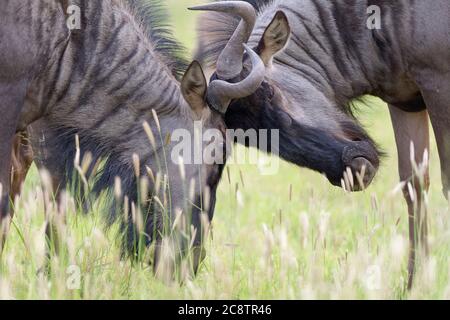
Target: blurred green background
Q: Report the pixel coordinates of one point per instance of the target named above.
(184, 20)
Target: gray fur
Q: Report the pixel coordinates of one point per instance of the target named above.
(101, 83)
(333, 58)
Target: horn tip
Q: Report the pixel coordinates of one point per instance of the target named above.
(198, 8)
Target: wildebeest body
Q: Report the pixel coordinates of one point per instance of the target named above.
(334, 56)
(101, 82)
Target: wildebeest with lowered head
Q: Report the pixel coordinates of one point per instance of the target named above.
(101, 82)
(333, 57)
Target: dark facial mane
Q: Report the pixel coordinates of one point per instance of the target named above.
(154, 18)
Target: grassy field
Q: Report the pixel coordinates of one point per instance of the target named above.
(290, 236)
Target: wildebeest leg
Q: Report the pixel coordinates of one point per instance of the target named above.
(22, 158)
(436, 92)
(11, 101)
(412, 138)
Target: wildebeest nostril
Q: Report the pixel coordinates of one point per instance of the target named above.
(363, 161)
(363, 173)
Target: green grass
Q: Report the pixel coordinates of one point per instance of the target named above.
(268, 242)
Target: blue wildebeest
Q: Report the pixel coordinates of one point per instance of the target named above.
(332, 57)
(102, 82)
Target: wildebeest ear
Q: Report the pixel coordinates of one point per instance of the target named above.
(275, 37)
(194, 86)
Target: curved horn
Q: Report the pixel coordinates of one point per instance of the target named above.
(220, 93)
(229, 63)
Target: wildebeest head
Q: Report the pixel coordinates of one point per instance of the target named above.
(193, 159)
(162, 169)
(314, 132)
(194, 88)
